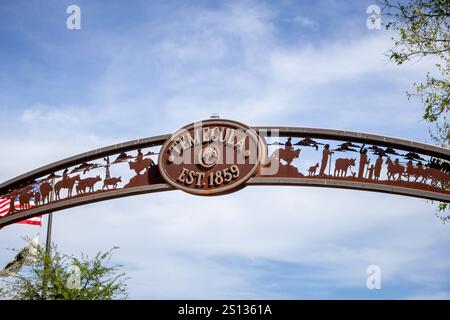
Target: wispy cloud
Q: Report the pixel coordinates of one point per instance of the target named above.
(151, 78)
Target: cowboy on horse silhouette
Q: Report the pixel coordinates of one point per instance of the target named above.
(287, 153)
(66, 183)
(140, 163)
(65, 175)
(288, 143)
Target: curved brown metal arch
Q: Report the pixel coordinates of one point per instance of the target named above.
(352, 185)
(422, 148)
(28, 177)
(256, 181)
(75, 202)
(341, 135)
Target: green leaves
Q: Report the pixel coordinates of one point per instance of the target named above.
(63, 277)
(423, 29)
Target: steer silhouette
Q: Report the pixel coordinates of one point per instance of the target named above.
(87, 183)
(342, 165)
(111, 182)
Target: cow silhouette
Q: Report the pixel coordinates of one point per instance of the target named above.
(24, 199)
(342, 165)
(46, 189)
(87, 183)
(111, 182)
(37, 198)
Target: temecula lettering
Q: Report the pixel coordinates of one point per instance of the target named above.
(211, 157)
(221, 135)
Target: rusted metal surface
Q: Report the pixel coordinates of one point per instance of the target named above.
(216, 158)
(391, 165)
(25, 178)
(256, 181)
(299, 156)
(368, 138)
(283, 131)
(362, 186)
(79, 201)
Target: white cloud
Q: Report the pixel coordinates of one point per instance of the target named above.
(169, 242)
(229, 61)
(434, 296)
(304, 21)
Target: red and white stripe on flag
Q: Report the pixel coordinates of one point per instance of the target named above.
(4, 209)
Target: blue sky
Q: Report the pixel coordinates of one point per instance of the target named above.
(142, 68)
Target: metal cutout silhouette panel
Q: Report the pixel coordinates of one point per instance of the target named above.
(293, 156)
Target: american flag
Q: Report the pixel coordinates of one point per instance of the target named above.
(5, 205)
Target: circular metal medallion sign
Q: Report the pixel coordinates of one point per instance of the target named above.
(211, 157)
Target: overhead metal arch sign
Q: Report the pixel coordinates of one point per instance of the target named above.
(211, 157)
(216, 156)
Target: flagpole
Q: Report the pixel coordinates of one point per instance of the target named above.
(48, 241)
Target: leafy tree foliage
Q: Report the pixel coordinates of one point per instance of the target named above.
(422, 29)
(58, 276)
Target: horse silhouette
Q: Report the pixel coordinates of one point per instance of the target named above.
(140, 165)
(417, 172)
(394, 169)
(439, 177)
(66, 184)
